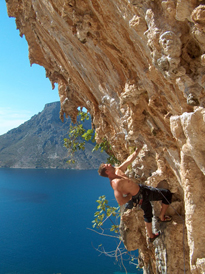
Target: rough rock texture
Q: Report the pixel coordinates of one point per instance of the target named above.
(39, 143)
(138, 66)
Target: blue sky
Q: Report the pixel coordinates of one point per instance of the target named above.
(24, 90)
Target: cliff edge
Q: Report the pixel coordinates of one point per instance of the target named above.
(138, 67)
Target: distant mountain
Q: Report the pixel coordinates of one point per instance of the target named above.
(38, 143)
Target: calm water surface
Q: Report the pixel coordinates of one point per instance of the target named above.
(44, 216)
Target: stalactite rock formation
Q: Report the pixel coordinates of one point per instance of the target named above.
(138, 67)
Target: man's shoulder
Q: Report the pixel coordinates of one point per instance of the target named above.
(120, 172)
(115, 180)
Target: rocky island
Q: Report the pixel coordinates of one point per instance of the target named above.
(39, 143)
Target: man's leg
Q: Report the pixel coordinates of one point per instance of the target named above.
(149, 229)
(147, 208)
(157, 194)
(163, 211)
(151, 236)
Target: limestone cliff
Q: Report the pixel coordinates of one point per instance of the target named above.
(138, 66)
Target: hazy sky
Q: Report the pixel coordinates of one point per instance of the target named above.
(24, 90)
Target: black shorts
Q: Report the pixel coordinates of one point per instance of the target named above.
(153, 194)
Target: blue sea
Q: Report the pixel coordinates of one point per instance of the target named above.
(44, 216)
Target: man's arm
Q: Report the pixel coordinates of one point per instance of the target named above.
(120, 198)
(130, 159)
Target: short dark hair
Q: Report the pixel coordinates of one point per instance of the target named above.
(102, 170)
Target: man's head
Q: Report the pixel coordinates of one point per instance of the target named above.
(105, 169)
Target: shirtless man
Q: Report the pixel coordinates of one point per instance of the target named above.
(128, 191)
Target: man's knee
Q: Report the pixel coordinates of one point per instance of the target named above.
(167, 199)
(147, 219)
(148, 215)
(147, 208)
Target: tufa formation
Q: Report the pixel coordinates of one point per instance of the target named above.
(138, 67)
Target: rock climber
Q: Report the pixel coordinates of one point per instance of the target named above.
(127, 191)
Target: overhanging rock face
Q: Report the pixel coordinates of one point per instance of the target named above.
(139, 69)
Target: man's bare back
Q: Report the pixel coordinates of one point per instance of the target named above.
(120, 183)
(123, 185)
(126, 189)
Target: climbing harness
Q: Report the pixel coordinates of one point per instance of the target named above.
(135, 201)
(138, 199)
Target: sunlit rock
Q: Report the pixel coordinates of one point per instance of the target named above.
(138, 67)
